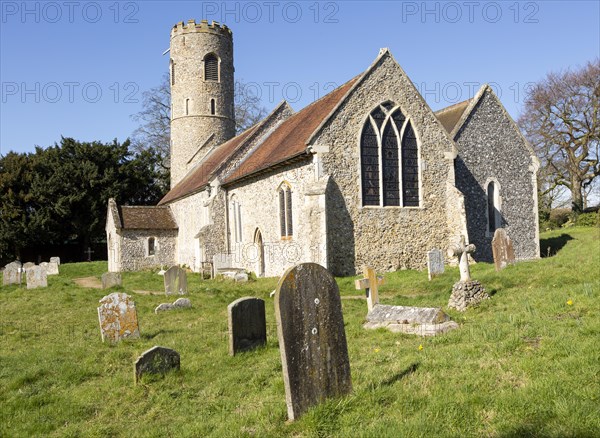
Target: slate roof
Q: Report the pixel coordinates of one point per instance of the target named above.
(146, 218)
(287, 141)
(451, 115)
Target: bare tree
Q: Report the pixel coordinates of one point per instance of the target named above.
(154, 131)
(561, 121)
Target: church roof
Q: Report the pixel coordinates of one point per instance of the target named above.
(146, 218)
(451, 115)
(288, 141)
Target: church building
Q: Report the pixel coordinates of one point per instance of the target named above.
(366, 175)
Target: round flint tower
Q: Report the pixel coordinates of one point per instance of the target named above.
(201, 74)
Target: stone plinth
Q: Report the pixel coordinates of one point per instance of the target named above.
(466, 294)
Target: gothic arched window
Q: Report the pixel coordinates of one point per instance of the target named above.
(211, 67)
(285, 211)
(389, 157)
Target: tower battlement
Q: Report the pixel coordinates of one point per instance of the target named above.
(191, 26)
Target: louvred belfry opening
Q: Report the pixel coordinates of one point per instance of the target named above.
(211, 68)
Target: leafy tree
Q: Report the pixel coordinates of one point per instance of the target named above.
(561, 121)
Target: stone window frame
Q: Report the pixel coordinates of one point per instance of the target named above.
(497, 206)
(218, 58)
(155, 248)
(235, 213)
(285, 193)
(408, 119)
(213, 106)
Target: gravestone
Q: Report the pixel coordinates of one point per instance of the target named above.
(180, 303)
(111, 279)
(422, 321)
(118, 318)
(247, 324)
(466, 292)
(312, 340)
(55, 260)
(28, 265)
(221, 262)
(435, 263)
(502, 248)
(157, 360)
(45, 266)
(52, 268)
(370, 284)
(175, 281)
(11, 274)
(36, 277)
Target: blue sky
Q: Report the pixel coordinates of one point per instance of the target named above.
(78, 69)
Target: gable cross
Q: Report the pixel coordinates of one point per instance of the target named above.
(370, 283)
(461, 250)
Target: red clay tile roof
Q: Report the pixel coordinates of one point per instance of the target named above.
(198, 177)
(147, 218)
(450, 116)
(290, 137)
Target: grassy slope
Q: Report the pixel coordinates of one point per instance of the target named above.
(523, 363)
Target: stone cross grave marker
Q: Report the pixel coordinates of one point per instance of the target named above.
(36, 277)
(12, 274)
(435, 263)
(52, 268)
(247, 324)
(118, 318)
(461, 250)
(111, 279)
(370, 283)
(157, 360)
(502, 248)
(89, 253)
(175, 281)
(312, 340)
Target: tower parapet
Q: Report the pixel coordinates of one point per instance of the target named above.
(202, 87)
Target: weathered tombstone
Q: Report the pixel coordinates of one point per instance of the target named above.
(247, 324)
(157, 360)
(502, 248)
(180, 303)
(36, 277)
(55, 260)
(222, 261)
(118, 317)
(111, 279)
(369, 284)
(45, 266)
(435, 263)
(312, 340)
(466, 292)
(175, 281)
(11, 274)
(422, 321)
(28, 265)
(52, 268)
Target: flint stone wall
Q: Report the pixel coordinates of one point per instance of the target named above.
(134, 246)
(490, 146)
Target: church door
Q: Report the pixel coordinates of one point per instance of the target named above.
(260, 252)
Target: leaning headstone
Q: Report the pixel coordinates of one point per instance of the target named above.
(422, 321)
(435, 262)
(312, 340)
(502, 248)
(466, 292)
(111, 279)
(52, 268)
(28, 265)
(36, 277)
(55, 260)
(175, 281)
(157, 360)
(118, 318)
(11, 274)
(247, 324)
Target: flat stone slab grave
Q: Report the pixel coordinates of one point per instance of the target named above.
(91, 282)
(312, 340)
(157, 360)
(423, 321)
(118, 318)
(36, 277)
(247, 324)
(175, 281)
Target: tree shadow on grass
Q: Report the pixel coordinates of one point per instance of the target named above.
(550, 247)
(401, 375)
(534, 430)
(152, 335)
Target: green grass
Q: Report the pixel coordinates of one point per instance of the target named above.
(524, 363)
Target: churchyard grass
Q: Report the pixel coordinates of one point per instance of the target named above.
(525, 363)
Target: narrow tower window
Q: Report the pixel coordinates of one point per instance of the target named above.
(151, 246)
(212, 107)
(172, 72)
(187, 107)
(211, 67)
(493, 207)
